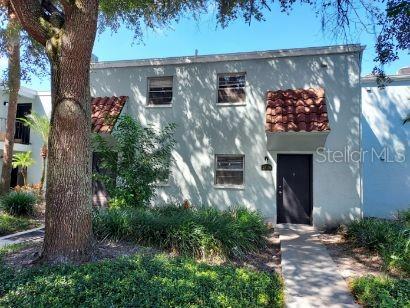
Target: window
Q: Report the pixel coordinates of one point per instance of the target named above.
(160, 91)
(229, 170)
(231, 88)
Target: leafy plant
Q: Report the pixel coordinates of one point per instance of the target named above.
(198, 232)
(372, 291)
(23, 160)
(138, 159)
(391, 239)
(140, 281)
(19, 203)
(41, 125)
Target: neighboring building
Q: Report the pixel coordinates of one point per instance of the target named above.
(249, 126)
(237, 114)
(386, 138)
(25, 140)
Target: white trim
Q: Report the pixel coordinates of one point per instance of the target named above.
(295, 52)
(371, 78)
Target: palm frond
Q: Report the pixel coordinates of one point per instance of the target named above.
(22, 160)
(40, 124)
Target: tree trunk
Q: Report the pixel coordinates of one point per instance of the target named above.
(14, 70)
(68, 229)
(44, 152)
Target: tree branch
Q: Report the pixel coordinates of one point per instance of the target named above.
(30, 13)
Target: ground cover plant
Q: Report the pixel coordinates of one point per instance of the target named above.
(389, 238)
(198, 232)
(373, 291)
(140, 281)
(10, 224)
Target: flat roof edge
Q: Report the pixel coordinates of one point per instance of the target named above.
(295, 52)
(372, 79)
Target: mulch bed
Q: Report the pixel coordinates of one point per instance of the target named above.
(267, 260)
(352, 261)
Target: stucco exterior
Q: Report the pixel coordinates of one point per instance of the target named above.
(205, 129)
(386, 142)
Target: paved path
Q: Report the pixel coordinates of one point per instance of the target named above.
(311, 277)
(21, 237)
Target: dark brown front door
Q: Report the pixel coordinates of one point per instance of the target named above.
(294, 191)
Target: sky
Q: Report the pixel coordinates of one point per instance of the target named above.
(279, 31)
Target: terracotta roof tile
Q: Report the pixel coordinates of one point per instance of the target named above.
(296, 110)
(105, 112)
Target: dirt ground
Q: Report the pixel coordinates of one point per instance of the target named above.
(267, 260)
(351, 261)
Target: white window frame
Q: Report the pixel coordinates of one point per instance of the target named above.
(239, 103)
(148, 105)
(232, 186)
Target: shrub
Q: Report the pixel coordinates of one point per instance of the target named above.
(135, 162)
(188, 231)
(391, 239)
(404, 217)
(373, 291)
(19, 203)
(10, 224)
(140, 281)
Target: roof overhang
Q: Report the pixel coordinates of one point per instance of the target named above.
(296, 141)
(238, 56)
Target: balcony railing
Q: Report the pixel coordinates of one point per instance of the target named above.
(21, 134)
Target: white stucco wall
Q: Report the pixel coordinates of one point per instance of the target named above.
(205, 129)
(42, 106)
(41, 103)
(386, 183)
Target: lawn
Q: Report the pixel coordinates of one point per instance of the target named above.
(390, 239)
(11, 224)
(144, 280)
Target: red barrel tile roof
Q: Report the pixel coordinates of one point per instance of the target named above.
(296, 110)
(105, 112)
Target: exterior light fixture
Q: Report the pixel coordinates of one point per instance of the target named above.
(267, 166)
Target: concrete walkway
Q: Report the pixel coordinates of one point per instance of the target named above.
(31, 235)
(311, 277)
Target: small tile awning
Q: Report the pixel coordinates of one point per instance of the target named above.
(105, 112)
(296, 110)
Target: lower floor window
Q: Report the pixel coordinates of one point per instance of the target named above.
(229, 170)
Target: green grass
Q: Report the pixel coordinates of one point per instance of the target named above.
(196, 232)
(373, 291)
(10, 224)
(390, 239)
(140, 281)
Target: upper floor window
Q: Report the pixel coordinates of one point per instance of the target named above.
(231, 88)
(229, 170)
(160, 91)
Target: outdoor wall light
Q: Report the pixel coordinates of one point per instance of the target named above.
(5, 103)
(267, 166)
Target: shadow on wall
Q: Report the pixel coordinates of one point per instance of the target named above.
(205, 129)
(386, 185)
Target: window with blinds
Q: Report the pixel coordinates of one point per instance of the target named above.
(229, 170)
(231, 88)
(160, 91)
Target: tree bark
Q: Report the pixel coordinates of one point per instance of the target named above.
(14, 71)
(68, 229)
(44, 151)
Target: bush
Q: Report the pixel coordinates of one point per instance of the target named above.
(197, 232)
(373, 291)
(391, 239)
(19, 203)
(132, 165)
(10, 224)
(140, 281)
